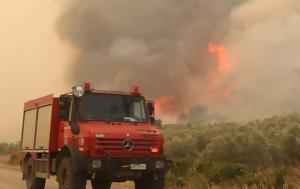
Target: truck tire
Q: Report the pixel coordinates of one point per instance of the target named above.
(150, 182)
(100, 184)
(33, 182)
(67, 178)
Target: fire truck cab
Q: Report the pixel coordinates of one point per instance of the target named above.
(87, 134)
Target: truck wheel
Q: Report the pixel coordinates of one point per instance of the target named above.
(100, 184)
(150, 182)
(67, 178)
(33, 182)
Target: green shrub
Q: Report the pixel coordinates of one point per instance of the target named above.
(181, 147)
(181, 167)
(291, 142)
(180, 182)
(224, 152)
(279, 180)
(219, 172)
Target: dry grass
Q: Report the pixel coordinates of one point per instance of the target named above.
(294, 176)
(128, 184)
(4, 159)
(228, 186)
(266, 180)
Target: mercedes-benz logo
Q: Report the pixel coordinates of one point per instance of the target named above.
(128, 145)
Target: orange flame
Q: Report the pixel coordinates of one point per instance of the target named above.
(167, 105)
(225, 63)
(225, 67)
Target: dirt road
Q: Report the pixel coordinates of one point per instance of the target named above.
(12, 180)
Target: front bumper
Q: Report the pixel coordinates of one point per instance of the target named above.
(116, 164)
(121, 169)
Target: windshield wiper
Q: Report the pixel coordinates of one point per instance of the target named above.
(131, 119)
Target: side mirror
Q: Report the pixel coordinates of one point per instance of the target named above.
(151, 108)
(75, 128)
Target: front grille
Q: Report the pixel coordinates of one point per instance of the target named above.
(150, 136)
(140, 145)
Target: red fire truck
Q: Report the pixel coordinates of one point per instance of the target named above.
(88, 134)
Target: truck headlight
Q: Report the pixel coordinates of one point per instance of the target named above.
(96, 164)
(78, 91)
(159, 164)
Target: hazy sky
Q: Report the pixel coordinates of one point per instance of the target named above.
(32, 59)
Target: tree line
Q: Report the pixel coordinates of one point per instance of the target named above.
(9, 148)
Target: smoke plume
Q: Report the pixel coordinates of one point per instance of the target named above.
(235, 58)
(264, 42)
(159, 45)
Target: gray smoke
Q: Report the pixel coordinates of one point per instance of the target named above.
(264, 41)
(160, 46)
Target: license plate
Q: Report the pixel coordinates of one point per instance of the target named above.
(138, 166)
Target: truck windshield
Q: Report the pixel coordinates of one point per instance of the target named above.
(111, 107)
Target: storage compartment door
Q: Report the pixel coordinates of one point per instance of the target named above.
(43, 128)
(29, 129)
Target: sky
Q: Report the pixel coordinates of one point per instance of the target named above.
(32, 59)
